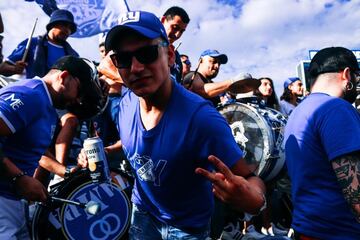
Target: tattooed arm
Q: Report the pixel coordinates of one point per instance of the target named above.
(347, 170)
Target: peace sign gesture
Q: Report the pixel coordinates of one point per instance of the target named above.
(244, 194)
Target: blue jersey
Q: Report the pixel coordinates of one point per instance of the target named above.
(320, 129)
(41, 52)
(26, 108)
(164, 158)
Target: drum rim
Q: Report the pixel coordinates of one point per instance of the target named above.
(267, 128)
(264, 128)
(121, 191)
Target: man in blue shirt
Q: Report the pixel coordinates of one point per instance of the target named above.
(44, 50)
(322, 147)
(170, 137)
(27, 124)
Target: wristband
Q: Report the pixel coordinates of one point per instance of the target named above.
(67, 172)
(17, 176)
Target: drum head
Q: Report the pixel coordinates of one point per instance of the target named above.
(65, 221)
(255, 132)
(110, 223)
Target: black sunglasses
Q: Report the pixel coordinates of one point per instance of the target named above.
(187, 62)
(145, 55)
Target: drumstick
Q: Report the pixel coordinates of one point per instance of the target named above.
(91, 207)
(29, 41)
(178, 46)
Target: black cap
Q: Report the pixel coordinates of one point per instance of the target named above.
(332, 59)
(77, 67)
(93, 98)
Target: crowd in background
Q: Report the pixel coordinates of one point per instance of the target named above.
(125, 54)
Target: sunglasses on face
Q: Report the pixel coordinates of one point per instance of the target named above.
(187, 62)
(144, 55)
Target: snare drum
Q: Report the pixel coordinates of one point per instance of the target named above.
(259, 133)
(65, 221)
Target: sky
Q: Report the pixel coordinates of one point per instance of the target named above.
(262, 37)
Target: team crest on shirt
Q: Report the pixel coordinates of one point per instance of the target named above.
(15, 103)
(147, 170)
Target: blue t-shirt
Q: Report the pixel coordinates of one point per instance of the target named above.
(52, 53)
(26, 108)
(164, 158)
(320, 129)
(286, 107)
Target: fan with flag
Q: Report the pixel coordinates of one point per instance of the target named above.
(92, 17)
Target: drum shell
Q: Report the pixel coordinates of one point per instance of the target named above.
(259, 133)
(64, 221)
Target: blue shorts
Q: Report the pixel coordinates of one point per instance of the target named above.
(13, 219)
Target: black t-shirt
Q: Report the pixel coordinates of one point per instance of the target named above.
(187, 82)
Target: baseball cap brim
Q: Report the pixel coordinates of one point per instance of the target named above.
(117, 32)
(222, 58)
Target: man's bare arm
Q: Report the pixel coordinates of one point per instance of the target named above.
(8, 69)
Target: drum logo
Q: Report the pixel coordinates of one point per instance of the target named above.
(110, 223)
(106, 226)
(238, 131)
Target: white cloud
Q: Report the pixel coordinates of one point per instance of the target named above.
(263, 37)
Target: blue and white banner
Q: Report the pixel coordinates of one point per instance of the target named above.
(91, 16)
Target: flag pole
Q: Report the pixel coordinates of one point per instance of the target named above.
(127, 6)
(29, 41)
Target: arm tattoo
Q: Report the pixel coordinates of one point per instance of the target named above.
(347, 170)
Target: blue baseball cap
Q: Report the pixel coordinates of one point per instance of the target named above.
(215, 54)
(144, 23)
(290, 80)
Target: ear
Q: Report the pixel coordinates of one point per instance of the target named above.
(162, 19)
(346, 74)
(63, 75)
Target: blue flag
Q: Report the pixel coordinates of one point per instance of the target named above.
(92, 16)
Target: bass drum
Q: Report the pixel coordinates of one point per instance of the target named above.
(259, 133)
(64, 221)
